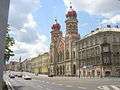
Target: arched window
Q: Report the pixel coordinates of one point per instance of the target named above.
(73, 54)
(67, 54)
(63, 69)
(63, 56)
(60, 70)
(74, 69)
(57, 68)
(60, 56)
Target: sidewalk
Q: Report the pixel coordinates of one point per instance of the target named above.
(9, 86)
(84, 78)
(73, 78)
(42, 75)
(5, 86)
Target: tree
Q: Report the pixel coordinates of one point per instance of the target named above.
(9, 41)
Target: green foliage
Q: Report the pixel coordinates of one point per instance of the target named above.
(9, 41)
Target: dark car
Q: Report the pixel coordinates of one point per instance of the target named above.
(19, 75)
(27, 77)
(50, 75)
(11, 75)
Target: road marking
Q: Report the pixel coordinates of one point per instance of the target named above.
(40, 86)
(47, 82)
(48, 89)
(103, 87)
(115, 87)
(44, 85)
(53, 83)
(68, 86)
(82, 87)
(60, 84)
(43, 81)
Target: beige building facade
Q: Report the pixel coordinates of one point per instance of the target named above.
(39, 64)
(26, 65)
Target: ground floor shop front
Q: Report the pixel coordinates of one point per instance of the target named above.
(100, 71)
(86, 71)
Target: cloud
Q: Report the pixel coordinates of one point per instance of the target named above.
(96, 7)
(30, 50)
(29, 43)
(19, 11)
(114, 20)
(108, 9)
(30, 23)
(28, 32)
(24, 29)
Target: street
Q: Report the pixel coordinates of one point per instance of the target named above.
(63, 83)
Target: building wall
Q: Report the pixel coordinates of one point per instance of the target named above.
(95, 55)
(12, 66)
(39, 65)
(36, 65)
(62, 48)
(4, 8)
(89, 54)
(45, 63)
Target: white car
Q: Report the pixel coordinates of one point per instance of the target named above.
(27, 77)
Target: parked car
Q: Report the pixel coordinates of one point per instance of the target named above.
(50, 75)
(19, 75)
(11, 75)
(27, 77)
(15, 75)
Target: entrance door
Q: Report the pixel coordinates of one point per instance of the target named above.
(107, 73)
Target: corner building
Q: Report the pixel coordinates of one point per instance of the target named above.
(95, 55)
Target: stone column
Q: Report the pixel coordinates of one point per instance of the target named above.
(4, 7)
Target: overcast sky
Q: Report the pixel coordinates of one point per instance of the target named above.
(31, 20)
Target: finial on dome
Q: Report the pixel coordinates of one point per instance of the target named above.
(71, 12)
(56, 25)
(55, 19)
(71, 5)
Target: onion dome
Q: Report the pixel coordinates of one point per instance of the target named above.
(56, 26)
(71, 13)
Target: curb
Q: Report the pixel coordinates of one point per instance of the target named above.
(9, 86)
(4, 87)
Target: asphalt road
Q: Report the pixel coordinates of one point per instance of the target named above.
(63, 83)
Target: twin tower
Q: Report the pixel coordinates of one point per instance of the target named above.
(62, 49)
